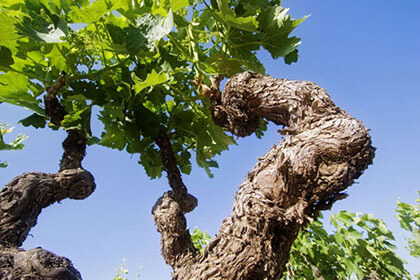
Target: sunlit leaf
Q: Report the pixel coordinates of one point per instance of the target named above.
(152, 79)
(34, 120)
(54, 36)
(14, 90)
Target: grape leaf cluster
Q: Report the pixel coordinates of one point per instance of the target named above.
(134, 62)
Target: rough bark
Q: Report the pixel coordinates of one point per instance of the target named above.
(23, 198)
(168, 212)
(323, 152)
(21, 202)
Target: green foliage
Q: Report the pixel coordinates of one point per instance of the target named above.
(134, 60)
(200, 239)
(360, 245)
(409, 217)
(122, 272)
(12, 146)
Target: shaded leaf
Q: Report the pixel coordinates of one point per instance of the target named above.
(277, 25)
(34, 120)
(6, 58)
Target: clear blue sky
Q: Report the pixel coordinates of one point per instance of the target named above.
(365, 53)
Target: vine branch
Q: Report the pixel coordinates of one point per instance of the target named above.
(177, 247)
(23, 199)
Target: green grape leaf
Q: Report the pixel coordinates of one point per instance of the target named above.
(152, 79)
(276, 26)
(184, 161)
(206, 164)
(148, 122)
(200, 239)
(135, 62)
(113, 136)
(291, 57)
(222, 64)
(8, 33)
(244, 23)
(135, 40)
(34, 120)
(12, 146)
(90, 13)
(179, 4)
(151, 161)
(80, 120)
(346, 252)
(57, 60)
(118, 35)
(227, 15)
(14, 90)
(42, 30)
(6, 58)
(220, 137)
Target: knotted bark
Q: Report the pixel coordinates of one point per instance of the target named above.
(23, 198)
(21, 202)
(176, 246)
(323, 152)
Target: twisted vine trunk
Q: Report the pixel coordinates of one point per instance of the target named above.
(23, 198)
(323, 152)
(21, 201)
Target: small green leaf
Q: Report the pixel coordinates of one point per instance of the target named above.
(12, 146)
(90, 13)
(34, 120)
(57, 60)
(206, 164)
(200, 239)
(135, 40)
(93, 140)
(8, 33)
(244, 23)
(79, 119)
(179, 4)
(152, 79)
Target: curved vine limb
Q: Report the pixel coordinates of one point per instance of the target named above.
(168, 212)
(23, 198)
(323, 152)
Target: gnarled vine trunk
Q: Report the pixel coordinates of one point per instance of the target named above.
(21, 201)
(324, 150)
(23, 198)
